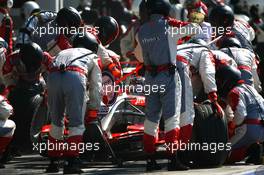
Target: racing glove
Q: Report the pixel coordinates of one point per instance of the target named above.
(212, 96)
(113, 68)
(90, 116)
(231, 129)
(7, 90)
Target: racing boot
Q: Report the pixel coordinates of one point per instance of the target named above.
(152, 165)
(72, 166)
(174, 164)
(255, 152)
(53, 166)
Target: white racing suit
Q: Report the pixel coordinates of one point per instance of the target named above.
(197, 66)
(42, 29)
(246, 62)
(158, 50)
(201, 60)
(248, 107)
(67, 89)
(7, 127)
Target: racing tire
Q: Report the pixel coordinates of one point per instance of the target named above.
(210, 132)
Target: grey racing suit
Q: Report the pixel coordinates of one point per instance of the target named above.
(68, 89)
(248, 107)
(157, 49)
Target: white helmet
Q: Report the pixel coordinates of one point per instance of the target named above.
(135, 7)
(9, 3)
(29, 7)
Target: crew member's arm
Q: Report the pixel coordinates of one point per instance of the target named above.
(103, 54)
(207, 72)
(95, 92)
(127, 43)
(237, 103)
(138, 51)
(256, 80)
(45, 65)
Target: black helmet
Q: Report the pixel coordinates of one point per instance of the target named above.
(161, 7)
(198, 41)
(31, 55)
(226, 42)
(68, 17)
(221, 16)
(227, 78)
(85, 40)
(108, 29)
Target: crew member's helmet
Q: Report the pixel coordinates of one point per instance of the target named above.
(31, 55)
(227, 77)
(221, 16)
(161, 7)
(108, 29)
(68, 17)
(85, 40)
(29, 8)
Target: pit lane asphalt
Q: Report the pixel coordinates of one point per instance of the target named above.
(35, 164)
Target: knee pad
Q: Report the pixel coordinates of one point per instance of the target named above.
(76, 131)
(56, 132)
(151, 128)
(172, 123)
(7, 128)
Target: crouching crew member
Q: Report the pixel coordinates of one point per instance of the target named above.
(248, 107)
(22, 73)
